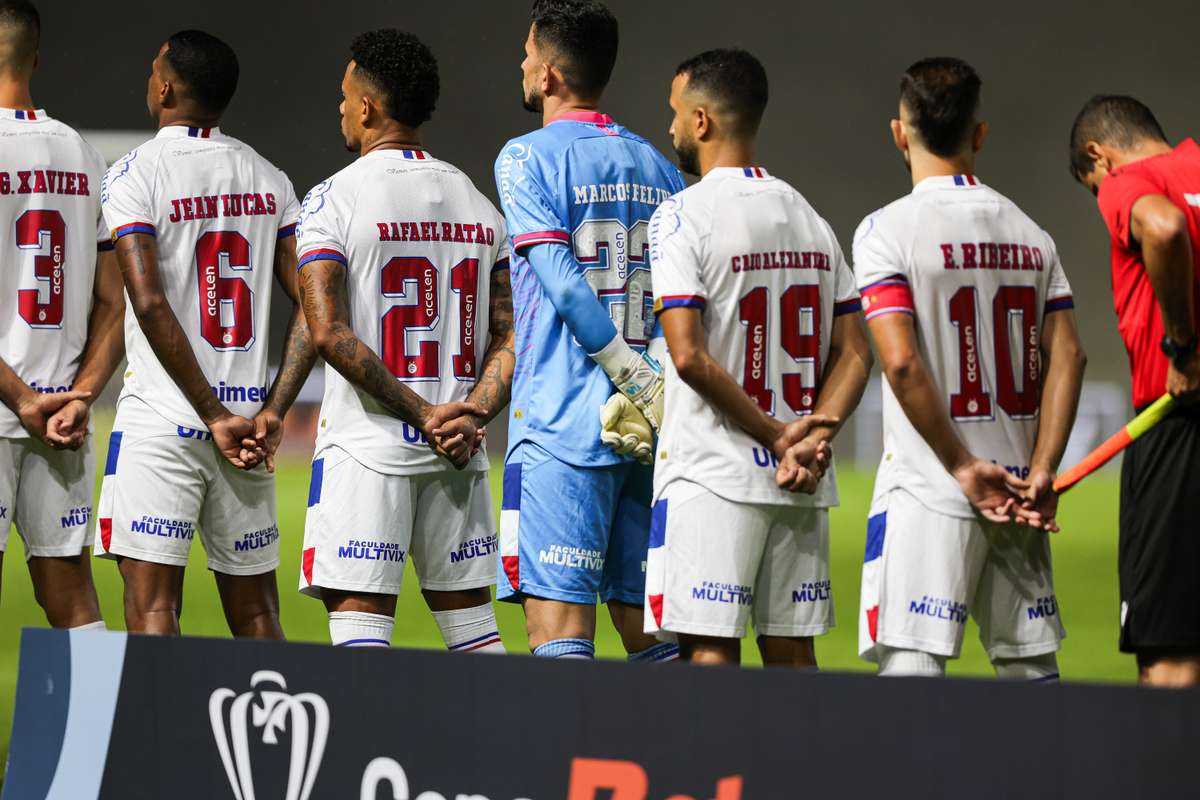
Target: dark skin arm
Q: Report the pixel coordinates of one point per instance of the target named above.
(104, 350)
(684, 332)
(323, 293)
(298, 358)
(1160, 228)
(494, 388)
(989, 487)
(1063, 365)
(137, 256)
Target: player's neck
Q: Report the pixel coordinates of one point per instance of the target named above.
(554, 107)
(1146, 148)
(927, 165)
(393, 136)
(726, 154)
(179, 116)
(14, 93)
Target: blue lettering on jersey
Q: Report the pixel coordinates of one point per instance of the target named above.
(371, 551)
(589, 183)
(728, 593)
(76, 517)
(939, 608)
(1046, 607)
(474, 548)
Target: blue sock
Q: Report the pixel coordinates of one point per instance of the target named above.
(663, 651)
(566, 648)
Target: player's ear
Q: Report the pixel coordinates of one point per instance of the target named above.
(899, 136)
(549, 78)
(977, 140)
(1099, 156)
(702, 123)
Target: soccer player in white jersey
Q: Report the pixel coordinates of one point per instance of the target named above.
(971, 314)
(404, 276)
(203, 225)
(60, 335)
(768, 354)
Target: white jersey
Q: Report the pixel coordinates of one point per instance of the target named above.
(419, 243)
(767, 271)
(217, 209)
(50, 229)
(978, 275)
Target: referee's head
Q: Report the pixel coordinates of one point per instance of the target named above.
(1107, 132)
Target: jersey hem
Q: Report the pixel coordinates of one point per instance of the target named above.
(401, 472)
(763, 497)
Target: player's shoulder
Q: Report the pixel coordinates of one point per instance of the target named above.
(535, 147)
(132, 169)
(340, 185)
(1017, 214)
(888, 221)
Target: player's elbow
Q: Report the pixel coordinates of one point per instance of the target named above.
(148, 307)
(690, 363)
(322, 338)
(899, 371)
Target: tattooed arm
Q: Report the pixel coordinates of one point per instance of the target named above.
(327, 311)
(298, 357)
(137, 256)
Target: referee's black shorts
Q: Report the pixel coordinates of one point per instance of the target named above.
(1159, 558)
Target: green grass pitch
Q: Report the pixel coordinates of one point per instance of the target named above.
(1085, 556)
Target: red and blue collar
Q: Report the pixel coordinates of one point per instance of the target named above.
(176, 131)
(948, 181)
(23, 114)
(757, 173)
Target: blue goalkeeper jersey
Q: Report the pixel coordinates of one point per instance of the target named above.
(585, 182)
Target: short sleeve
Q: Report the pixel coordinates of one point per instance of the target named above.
(502, 244)
(125, 197)
(525, 193)
(319, 229)
(880, 271)
(846, 299)
(291, 209)
(675, 258)
(104, 239)
(1117, 195)
(1058, 289)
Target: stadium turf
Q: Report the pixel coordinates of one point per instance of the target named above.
(1084, 557)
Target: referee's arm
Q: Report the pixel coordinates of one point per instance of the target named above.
(1160, 228)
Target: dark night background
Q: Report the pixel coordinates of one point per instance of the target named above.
(834, 69)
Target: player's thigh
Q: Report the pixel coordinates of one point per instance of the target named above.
(11, 451)
(238, 522)
(555, 521)
(358, 527)
(624, 578)
(454, 531)
(151, 494)
(793, 594)
(54, 500)
(704, 562)
(929, 566)
(1015, 604)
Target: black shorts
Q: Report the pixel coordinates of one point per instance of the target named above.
(1159, 557)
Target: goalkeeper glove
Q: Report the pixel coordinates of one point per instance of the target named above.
(638, 377)
(624, 429)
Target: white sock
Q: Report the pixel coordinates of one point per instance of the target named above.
(470, 630)
(360, 629)
(1038, 669)
(98, 625)
(894, 663)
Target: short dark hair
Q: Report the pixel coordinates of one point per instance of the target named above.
(735, 79)
(942, 95)
(207, 66)
(1113, 119)
(583, 35)
(25, 24)
(404, 71)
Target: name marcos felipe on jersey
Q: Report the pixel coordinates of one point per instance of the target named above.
(768, 274)
(217, 210)
(979, 276)
(50, 230)
(419, 243)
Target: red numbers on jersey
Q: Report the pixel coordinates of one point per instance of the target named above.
(226, 304)
(1012, 305)
(397, 279)
(799, 338)
(44, 231)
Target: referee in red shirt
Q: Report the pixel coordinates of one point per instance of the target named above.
(1149, 196)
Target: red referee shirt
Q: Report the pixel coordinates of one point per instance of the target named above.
(1175, 175)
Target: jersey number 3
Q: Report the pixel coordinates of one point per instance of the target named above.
(799, 337)
(43, 231)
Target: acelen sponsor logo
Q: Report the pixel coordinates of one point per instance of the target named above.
(303, 720)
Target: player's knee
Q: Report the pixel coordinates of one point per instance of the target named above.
(1039, 669)
(897, 663)
(783, 651)
(710, 650)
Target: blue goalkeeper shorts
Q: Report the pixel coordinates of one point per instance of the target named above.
(573, 533)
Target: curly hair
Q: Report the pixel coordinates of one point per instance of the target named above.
(402, 69)
(207, 66)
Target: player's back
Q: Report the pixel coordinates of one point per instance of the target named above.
(50, 228)
(585, 181)
(217, 210)
(419, 242)
(767, 271)
(981, 275)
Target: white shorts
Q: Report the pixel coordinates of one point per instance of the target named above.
(48, 494)
(925, 572)
(163, 481)
(713, 564)
(362, 525)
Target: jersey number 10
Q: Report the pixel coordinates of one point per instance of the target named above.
(972, 401)
(800, 338)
